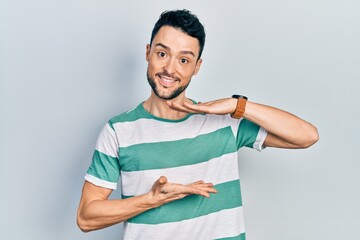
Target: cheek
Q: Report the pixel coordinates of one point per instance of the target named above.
(152, 67)
(188, 72)
(154, 62)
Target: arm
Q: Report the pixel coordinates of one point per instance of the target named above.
(96, 211)
(285, 130)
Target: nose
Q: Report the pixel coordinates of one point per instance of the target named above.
(170, 66)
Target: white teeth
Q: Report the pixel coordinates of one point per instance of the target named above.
(168, 80)
(165, 79)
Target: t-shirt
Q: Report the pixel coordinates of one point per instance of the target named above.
(139, 147)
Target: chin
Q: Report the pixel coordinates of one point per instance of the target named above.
(165, 96)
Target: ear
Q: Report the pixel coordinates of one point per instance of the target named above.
(148, 48)
(197, 67)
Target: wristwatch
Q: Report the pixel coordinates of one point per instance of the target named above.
(240, 106)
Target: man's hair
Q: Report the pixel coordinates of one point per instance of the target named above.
(183, 20)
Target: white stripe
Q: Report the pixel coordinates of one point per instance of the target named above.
(99, 182)
(217, 170)
(260, 138)
(205, 227)
(107, 142)
(148, 130)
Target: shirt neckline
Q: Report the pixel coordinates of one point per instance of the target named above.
(148, 114)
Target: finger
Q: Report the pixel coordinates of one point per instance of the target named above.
(192, 105)
(199, 108)
(208, 189)
(201, 184)
(202, 190)
(205, 186)
(202, 193)
(177, 191)
(182, 108)
(198, 182)
(186, 107)
(177, 107)
(162, 180)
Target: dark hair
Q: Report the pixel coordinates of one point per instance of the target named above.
(183, 20)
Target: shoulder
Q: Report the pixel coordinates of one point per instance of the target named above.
(129, 116)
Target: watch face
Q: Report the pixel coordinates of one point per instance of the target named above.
(239, 96)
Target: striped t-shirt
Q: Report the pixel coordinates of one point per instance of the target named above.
(139, 148)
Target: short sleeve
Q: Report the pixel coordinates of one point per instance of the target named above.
(104, 170)
(250, 135)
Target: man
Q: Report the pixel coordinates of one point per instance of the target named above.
(177, 158)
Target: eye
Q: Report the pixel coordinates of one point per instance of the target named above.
(184, 60)
(161, 54)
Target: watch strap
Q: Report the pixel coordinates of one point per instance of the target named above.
(240, 106)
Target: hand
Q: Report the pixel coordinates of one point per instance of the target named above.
(221, 106)
(163, 191)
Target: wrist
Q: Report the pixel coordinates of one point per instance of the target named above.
(233, 102)
(148, 201)
(240, 106)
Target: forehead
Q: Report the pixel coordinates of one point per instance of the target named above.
(176, 40)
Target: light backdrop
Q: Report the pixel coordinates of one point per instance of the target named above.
(66, 67)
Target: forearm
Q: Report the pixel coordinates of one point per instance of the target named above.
(285, 129)
(97, 214)
(96, 211)
(294, 131)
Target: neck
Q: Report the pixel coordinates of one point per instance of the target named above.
(159, 108)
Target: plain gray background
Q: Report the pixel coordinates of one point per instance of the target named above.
(66, 67)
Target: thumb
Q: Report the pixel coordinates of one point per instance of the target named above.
(162, 180)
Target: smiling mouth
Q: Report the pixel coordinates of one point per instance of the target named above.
(167, 81)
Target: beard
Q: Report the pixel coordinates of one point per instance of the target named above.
(169, 96)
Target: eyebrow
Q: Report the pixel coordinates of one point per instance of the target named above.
(168, 48)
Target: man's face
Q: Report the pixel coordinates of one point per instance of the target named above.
(172, 61)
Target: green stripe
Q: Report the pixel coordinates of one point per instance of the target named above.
(239, 237)
(170, 154)
(130, 116)
(227, 197)
(247, 133)
(104, 167)
(140, 113)
(146, 114)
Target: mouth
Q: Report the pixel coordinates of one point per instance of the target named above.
(166, 80)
